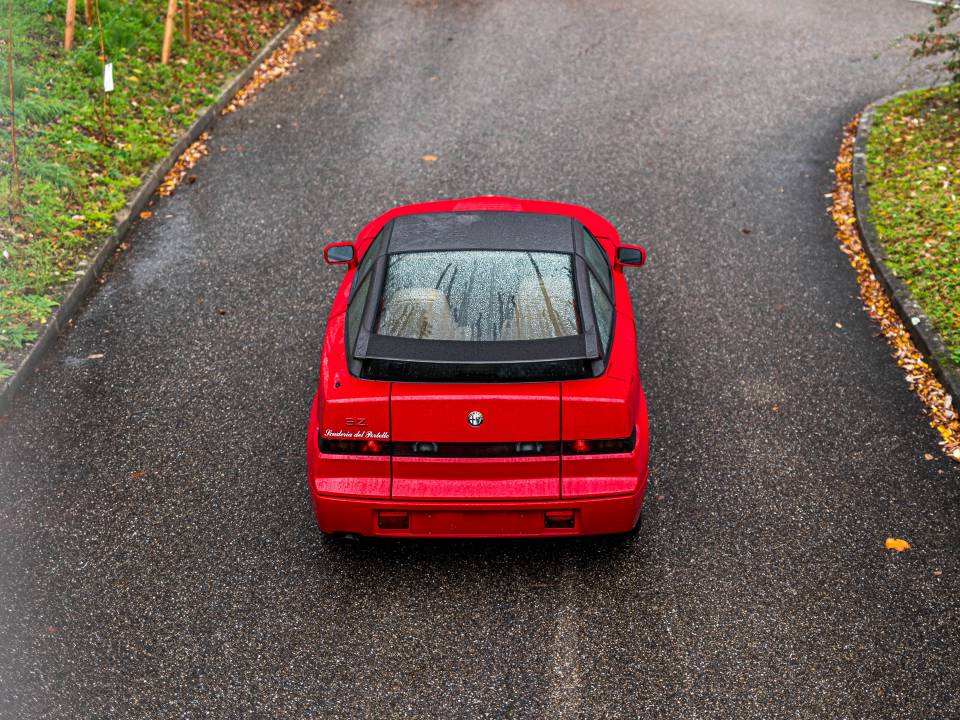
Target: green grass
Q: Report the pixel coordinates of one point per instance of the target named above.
(74, 180)
(914, 175)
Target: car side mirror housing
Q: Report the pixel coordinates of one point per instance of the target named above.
(631, 255)
(342, 253)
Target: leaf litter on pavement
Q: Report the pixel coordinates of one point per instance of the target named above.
(275, 66)
(190, 157)
(281, 61)
(919, 375)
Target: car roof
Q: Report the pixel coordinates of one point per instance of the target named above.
(481, 230)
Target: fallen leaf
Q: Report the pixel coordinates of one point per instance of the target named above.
(146, 215)
(137, 475)
(898, 544)
(927, 456)
(745, 231)
(282, 59)
(429, 158)
(775, 407)
(937, 573)
(838, 326)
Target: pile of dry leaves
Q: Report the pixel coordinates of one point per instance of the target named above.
(278, 64)
(919, 375)
(282, 59)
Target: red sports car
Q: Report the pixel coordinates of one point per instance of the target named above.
(479, 377)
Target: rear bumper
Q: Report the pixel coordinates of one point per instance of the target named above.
(514, 519)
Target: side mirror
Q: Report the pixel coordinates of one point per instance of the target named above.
(631, 255)
(339, 253)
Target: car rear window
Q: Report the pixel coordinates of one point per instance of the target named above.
(478, 295)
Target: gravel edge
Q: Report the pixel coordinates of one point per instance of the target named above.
(924, 335)
(124, 218)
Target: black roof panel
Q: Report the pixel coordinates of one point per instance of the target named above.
(482, 231)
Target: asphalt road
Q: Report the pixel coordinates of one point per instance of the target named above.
(758, 587)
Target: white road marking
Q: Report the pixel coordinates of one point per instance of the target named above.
(565, 694)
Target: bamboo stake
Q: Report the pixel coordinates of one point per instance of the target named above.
(71, 22)
(187, 23)
(88, 11)
(168, 31)
(15, 185)
(103, 62)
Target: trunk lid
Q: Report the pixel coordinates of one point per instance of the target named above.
(440, 454)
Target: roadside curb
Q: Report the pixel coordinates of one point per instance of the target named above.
(124, 218)
(921, 330)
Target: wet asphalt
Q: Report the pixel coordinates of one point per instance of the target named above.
(159, 554)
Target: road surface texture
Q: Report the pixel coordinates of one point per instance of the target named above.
(758, 587)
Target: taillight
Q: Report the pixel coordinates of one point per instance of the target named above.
(600, 447)
(337, 446)
(579, 447)
(474, 449)
(372, 447)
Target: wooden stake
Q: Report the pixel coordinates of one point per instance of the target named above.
(187, 23)
(71, 22)
(103, 62)
(88, 11)
(168, 31)
(15, 182)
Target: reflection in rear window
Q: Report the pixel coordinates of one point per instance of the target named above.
(478, 295)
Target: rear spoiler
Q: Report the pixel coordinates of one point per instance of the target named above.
(464, 352)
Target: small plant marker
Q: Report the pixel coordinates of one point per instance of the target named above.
(168, 32)
(103, 62)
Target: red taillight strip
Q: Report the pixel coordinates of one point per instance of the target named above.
(601, 447)
(476, 449)
(354, 447)
(607, 446)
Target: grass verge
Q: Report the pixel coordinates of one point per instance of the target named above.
(913, 171)
(73, 176)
